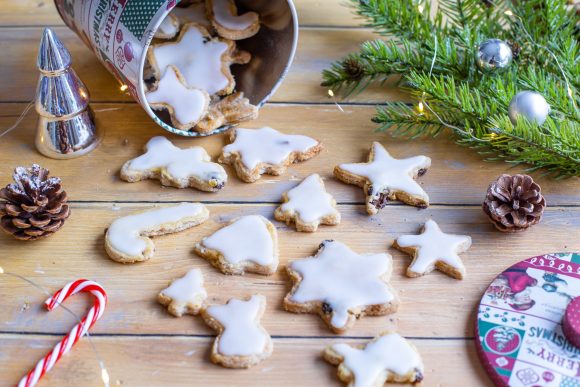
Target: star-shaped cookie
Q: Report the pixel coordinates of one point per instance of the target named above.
(185, 295)
(308, 205)
(385, 178)
(341, 285)
(175, 167)
(242, 341)
(387, 358)
(434, 249)
(254, 152)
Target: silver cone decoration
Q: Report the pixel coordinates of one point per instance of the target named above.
(66, 125)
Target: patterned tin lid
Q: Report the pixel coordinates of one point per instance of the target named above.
(571, 322)
(519, 333)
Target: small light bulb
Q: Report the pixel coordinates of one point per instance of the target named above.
(420, 107)
(420, 8)
(330, 93)
(508, 12)
(124, 87)
(105, 376)
(1, 270)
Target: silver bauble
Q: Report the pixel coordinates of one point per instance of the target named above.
(493, 55)
(530, 105)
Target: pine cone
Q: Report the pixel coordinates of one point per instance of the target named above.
(35, 205)
(353, 68)
(514, 203)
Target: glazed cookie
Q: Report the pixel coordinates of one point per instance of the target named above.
(168, 28)
(341, 285)
(247, 244)
(127, 238)
(175, 167)
(242, 341)
(226, 21)
(230, 110)
(185, 295)
(387, 358)
(385, 178)
(434, 249)
(308, 205)
(203, 61)
(186, 106)
(254, 152)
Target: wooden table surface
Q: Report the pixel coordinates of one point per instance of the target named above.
(141, 344)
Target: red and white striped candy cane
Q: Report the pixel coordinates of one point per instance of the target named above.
(79, 330)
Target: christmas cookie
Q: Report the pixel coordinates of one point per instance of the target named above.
(247, 244)
(308, 205)
(385, 178)
(127, 238)
(185, 295)
(387, 358)
(186, 106)
(168, 28)
(203, 61)
(341, 285)
(175, 167)
(230, 110)
(226, 21)
(242, 341)
(254, 152)
(434, 249)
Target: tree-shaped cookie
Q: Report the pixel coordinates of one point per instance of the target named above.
(186, 105)
(203, 61)
(254, 152)
(308, 205)
(185, 295)
(225, 19)
(387, 358)
(175, 167)
(127, 238)
(434, 249)
(247, 244)
(341, 285)
(385, 178)
(242, 341)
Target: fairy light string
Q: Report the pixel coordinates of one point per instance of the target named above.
(104, 373)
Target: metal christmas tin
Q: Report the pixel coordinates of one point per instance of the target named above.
(571, 322)
(519, 335)
(119, 32)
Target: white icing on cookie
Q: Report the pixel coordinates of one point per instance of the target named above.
(433, 246)
(246, 239)
(370, 366)
(198, 59)
(177, 163)
(310, 200)
(189, 105)
(242, 335)
(187, 289)
(222, 11)
(124, 234)
(195, 13)
(343, 279)
(168, 28)
(385, 172)
(267, 145)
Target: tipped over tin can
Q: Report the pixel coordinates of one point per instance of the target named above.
(119, 32)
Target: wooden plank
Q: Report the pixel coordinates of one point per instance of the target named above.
(458, 175)
(317, 49)
(42, 12)
(183, 361)
(77, 251)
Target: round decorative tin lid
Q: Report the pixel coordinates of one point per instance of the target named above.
(519, 335)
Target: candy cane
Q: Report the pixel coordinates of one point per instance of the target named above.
(79, 330)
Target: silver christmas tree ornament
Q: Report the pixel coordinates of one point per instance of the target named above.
(493, 55)
(528, 104)
(66, 126)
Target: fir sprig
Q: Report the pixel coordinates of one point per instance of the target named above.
(454, 94)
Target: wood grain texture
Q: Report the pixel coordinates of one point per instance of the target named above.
(78, 251)
(457, 176)
(317, 49)
(183, 361)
